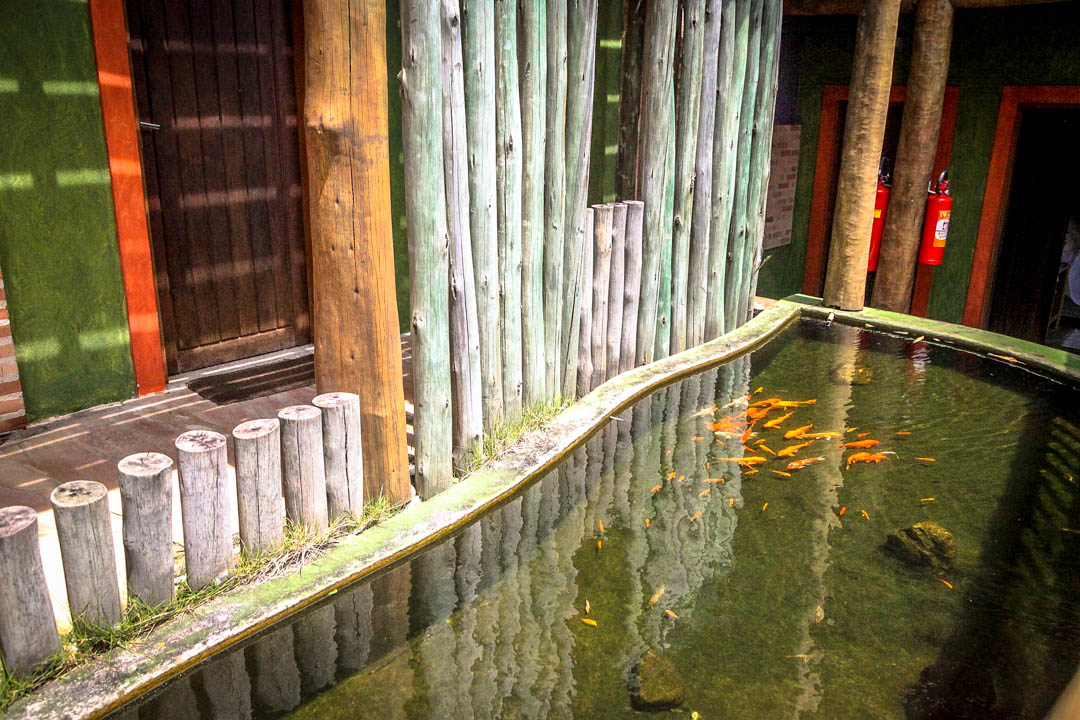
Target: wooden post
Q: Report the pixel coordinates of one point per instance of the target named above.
(28, 634)
(686, 132)
(316, 651)
(228, 686)
(598, 284)
(259, 502)
(508, 184)
(275, 685)
(635, 219)
(302, 466)
(923, 101)
(616, 289)
(633, 42)
(864, 129)
(81, 512)
(533, 79)
(478, 52)
(464, 331)
(585, 322)
(357, 343)
(205, 509)
(146, 500)
(429, 265)
(342, 453)
(554, 196)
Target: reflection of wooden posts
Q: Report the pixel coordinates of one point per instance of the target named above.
(259, 504)
(27, 627)
(871, 78)
(275, 677)
(204, 505)
(342, 455)
(357, 346)
(227, 686)
(81, 512)
(146, 499)
(316, 650)
(302, 466)
(352, 620)
(925, 96)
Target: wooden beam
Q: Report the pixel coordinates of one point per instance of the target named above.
(915, 154)
(357, 345)
(871, 78)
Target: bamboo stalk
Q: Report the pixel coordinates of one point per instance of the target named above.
(554, 195)
(429, 265)
(585, 349)
(465, 385)
(533, 79)
(656, 157)
(633, 43)
(599, 283)
(580, 66)
(616, 289)
(686, 132)
(698, 276)
(478, 54)
(635, 220)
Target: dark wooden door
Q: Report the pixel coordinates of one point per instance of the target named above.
(215, 91)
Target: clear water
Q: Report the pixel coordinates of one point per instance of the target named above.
(784, 610)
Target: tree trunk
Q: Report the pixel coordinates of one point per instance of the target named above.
(633, 43)
(259, 502)
(81, 512)
(28, 634)
(303, 470)
(554, 195)
(202, 462)
(864, 129)
(145, 481)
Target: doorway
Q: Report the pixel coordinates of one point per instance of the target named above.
(1030, 297)
(215, 95)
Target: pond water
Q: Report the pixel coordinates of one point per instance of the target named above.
(760, 594)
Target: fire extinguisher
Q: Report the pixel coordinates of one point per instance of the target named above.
(881, 204)
(936, 224)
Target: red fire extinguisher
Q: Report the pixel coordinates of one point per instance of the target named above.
(936, 225)
(881, 204)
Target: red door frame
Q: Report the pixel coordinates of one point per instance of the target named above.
(996, 196)
(825, 170)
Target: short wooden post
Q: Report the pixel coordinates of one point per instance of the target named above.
(635, 218)
(259, 503)
(27, 627)
(302, 466)
(601, 279)
(616, 288)
(204, 505)
(81, 512)
(342, 455)
(146, 500)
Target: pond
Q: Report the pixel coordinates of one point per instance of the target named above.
(674, 557)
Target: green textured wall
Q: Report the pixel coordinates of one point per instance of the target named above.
(58, 250)
(991, 48)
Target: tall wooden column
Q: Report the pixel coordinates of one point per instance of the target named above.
(915, 154)
(871, 77)
(357, 346)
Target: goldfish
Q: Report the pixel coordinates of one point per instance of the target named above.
(586, 606)
(862, 435)
(797, 432)
(946, 583)
(704, 492)
(752, 460)
(671, 614)
(842, 511)
(746, 435)
(918, 339)
(775, 422)
(699, 437)
(681, 478)
(670, 450)
(724, 434)
(781, 472)
(903, 433)
(656, 596)
(927, 459)
(865, 514)
(707, 465)
(695, 516)
(758, 390)
(767, 449)
(671, 475)
(799, 464)
(749, 449)
(714, 480)
(599, 544)
(927, 500)
(759, 442)
(794, 403)
(589, 621)
(646, 522)
(767, 401)
(737, 401)
(731, 502)
(1006, 358)
(792, 449)
(705, 411)
(757, 413)
(751, 472)
(862, 444)
(864, 457)
(657, 488)
(818, 436)
(764, 506)
(600, 524)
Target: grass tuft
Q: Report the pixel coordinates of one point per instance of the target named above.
(505, 433)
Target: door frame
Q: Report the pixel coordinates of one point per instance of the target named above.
(995, 202)
(825, 169)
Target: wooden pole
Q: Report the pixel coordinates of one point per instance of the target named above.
(864, 129)
(28, 634)
(533, 79)
(686, 133)
(429, 265)
(656, 158)
(464, 331)
(205, 508)
(342, 453)
(275, 678)
(554, 195)
(633, 45)
(81, 513)
(635, 222)
(478, 52)
(316, 651)
(508, 192)
(146, 499)
(303, 470)
(259, 502)
(585, 307)
(927, 72)
(598, 284)
(357, 343)
(228, 686)
(616, 289)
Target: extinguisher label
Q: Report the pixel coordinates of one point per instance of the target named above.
(877, 213)
(941, 230)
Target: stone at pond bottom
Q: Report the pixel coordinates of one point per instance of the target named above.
(923, 544)
(655, 684)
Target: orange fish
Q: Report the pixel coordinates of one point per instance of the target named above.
(752, 460)
(746, 435)
(730, 502)
(757, 413)
(681, 478)
(852, 429)
(794, 403)
(704, 411)
(699, 437)
(792, 449)
(657, 488)
(862, 444)
(714, 480)
(799, 464)
(737, 401)
(903, 433)
(764, 506)
(946, 583)
(927, 500)
(759, 442)
(656, 596)
(862, 435)
(749, 449)
(927, 459)
(864, 457)
(819, 435)
(669, 451)
(768, 401)
(600, 524)
(751, 472)
(704, 492)
(599, 545)
(671, 475)
(647, 521)
(767, 449)
(695, 516)
(797, 432)
(671, 614)
(775, 422)
(589, 621)
(842, 511)
(781, 472)
(865, 514)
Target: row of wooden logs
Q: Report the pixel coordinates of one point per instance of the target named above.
(304, 466)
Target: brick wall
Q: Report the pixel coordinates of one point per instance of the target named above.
(12, 409)
(781, 198)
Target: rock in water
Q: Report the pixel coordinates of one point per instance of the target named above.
(923, 544)
(655, 684)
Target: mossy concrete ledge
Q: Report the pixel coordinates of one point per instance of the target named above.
(105, 683)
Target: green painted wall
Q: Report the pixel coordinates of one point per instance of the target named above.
(991, 48)
(58, 249)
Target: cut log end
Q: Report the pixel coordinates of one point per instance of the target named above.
(77, 492)
(199, 441)
(16, 518)
(145, 464)
(334, 399)
(298, 413)
(254, 429)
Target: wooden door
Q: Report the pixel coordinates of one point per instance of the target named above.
(215, 92)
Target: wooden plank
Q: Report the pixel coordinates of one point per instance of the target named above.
(259, 502)
(224, 351)
(145, 481)
(81, 512)
(616, 290)
(598, 283)
(585, 322)
(630, 71)
(302, 466)
(205, 508)
(342, 453)
(28, 634)
(554, 195)
(635, 220)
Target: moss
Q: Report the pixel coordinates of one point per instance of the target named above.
(655, 684)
